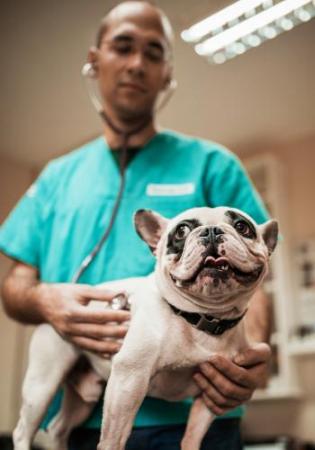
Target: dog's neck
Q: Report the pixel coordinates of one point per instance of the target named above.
(221, 306)
(207, 323)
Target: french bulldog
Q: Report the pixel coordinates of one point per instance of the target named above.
(209, 262)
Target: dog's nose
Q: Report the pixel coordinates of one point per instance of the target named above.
(217, 231)
(211, 237)
(208, 231)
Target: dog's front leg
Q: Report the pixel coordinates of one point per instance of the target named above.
(200, 418)
(125, 391)
(132, 369)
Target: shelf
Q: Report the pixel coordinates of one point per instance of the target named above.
(276, 393)
(275, 338)
(277, 389)
(302, 346)
(269, 286)
(275, 446)
(307, 294)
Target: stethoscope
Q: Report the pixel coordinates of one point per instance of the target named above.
(89, 76)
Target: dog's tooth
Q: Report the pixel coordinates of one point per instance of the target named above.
(223, 267)
(179, 283)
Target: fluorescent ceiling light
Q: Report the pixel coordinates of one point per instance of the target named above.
(217, 20)
(248, 26)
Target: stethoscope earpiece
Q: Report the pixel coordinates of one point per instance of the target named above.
(88, 70)
(172, 85)
(166, 95)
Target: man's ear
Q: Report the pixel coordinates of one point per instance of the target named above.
(93, 60)
(150, 226)
(270, 232)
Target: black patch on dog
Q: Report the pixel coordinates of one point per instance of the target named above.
(236, 217)
(247, 278)
(176, 246)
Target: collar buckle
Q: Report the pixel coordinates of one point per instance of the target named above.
(210, 324)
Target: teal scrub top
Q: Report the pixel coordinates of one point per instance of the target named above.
(63, 215)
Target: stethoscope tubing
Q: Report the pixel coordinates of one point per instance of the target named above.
(122, 163)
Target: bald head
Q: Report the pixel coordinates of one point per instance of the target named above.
(155, 18)
(133, 60)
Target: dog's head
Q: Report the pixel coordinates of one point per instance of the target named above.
(208, 256)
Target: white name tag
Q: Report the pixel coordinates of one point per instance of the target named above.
(31, 191)
(170, 189)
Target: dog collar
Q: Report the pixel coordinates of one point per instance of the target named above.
(208, 324)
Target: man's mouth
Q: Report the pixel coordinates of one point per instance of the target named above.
(219, 268)
(132, 86)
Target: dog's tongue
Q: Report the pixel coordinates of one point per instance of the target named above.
(210, 261)
(190, 266)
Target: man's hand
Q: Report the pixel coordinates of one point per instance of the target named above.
(226, 384)
(64, 306)
(99, 330)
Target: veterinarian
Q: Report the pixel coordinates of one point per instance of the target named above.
(64, 213)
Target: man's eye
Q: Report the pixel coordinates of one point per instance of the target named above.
(154, 54)
(182, 232)
(244, 229)
(122, 49)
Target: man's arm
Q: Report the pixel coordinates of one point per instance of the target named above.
(227, 384)
(63, 305)
(258, 319)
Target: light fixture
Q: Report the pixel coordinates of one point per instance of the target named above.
(246, 24)
(219, 19)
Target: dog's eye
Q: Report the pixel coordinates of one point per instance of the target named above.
(244, 229)
(182, 232)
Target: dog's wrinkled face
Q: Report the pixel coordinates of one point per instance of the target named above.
(209, 252)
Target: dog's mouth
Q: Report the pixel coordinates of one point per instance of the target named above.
(219, 269)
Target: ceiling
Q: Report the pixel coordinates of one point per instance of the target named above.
(267, 93)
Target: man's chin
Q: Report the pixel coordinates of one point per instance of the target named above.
(131, 111)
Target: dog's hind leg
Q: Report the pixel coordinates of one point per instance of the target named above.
(200, 418)
(77, 405)
(50, 359)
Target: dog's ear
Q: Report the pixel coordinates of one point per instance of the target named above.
(150, 226)
(269, 231)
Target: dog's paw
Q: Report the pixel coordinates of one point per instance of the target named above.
(45, 441)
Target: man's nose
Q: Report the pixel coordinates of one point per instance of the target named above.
(136, 62)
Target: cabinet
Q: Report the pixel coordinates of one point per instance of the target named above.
(268, 176)
(303, 341)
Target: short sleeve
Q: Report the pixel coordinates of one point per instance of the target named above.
(20, 234)
(228, 184)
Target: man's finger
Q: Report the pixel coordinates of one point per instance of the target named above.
(231, 380)
(215, 395)
(96, 345)
(260, 353)
(96, 331)
(215, 409)
(101, 294)
(82, 314)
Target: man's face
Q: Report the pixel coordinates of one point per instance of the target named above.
(133, 62)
